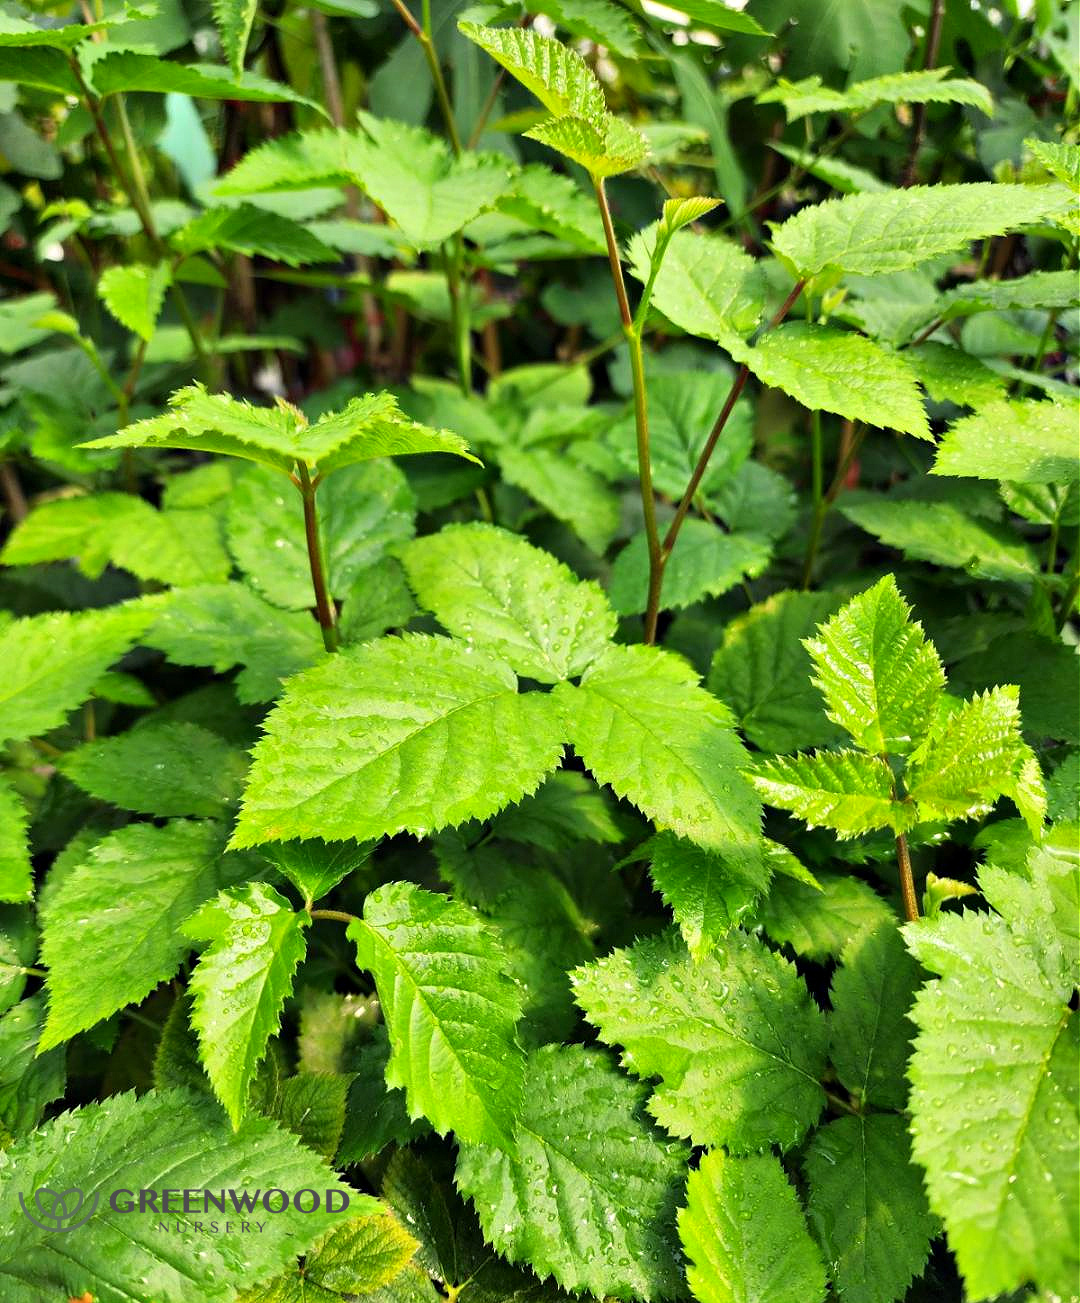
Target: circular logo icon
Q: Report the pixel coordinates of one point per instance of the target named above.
(62, 1210)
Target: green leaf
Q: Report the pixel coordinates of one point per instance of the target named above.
(874, 233)
(312, 1106)
(28, 1081)
(364, 510)
(315, 867)
(736, 1040)
(220, 626)
(368, 427)
(1043, 668)
(847, 791)
(169, 546)
(707, 285)
(707, 893)
(820, 921)
(567, 809)
(495, 590)
(678, 213)
(1038, 289)
(549, 201)
(128, 70)
(126, 1144)
(837, 173)
(745, 1236)
(395, 736)
(869, 1031)
(641, 724)
(923, 86)
(763, 672)
(839, 371)
(449, 1008)
(18, 34)
(43, 69)
(604, 146)
(52, 661)
(16, 871)
(1013, 439)
(718, 15)
(950, 375)
(867, 1207)
(942, 533)
(161, 769)
(994, 1094)
(361, 1256)
(116, 913)
(558, 76)
(880, 677)
(708, 562)
(1060, 159)
(568, 489)
(252, 231)
(242, 980)
(600, 21)
(234, 19)
(587, 1191)
(134, 295)
(973, 756)
(18, 948)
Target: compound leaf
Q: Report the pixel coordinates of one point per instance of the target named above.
(497, 591)
(1013, 439)
(395, 735)
(994, 1096)
(847, 791)
(587, 1191)
(449, 1007)
(870, 234)
(604, 146)
(880, 677)
(736, 1040)
(126, 1144)
(641, 723)
(867, 1207)
(117, 913)
(745, 1235)
(243, 977)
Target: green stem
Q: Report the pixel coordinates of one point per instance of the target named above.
(1068, 600)
(460, 310)
(427, 44)
(821, 509)
(632, 331)
(324, 606)
(817, 494)
(338, 915)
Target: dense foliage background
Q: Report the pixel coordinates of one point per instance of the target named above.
(539, 648)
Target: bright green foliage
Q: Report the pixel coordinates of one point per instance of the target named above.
(596, 20)
(134, 295)
(117, 913)
(587, 1191)
(678, 213)
(52, 661)
(551, 201)
(762, 671)
(926, 86)
(1026, 439)
(869, 1031)
(735, 1039)
(251, 230)
(18, 947)
(224, 625)
(716, 14)
(879, 676)
(1039, 289)
(243, 977)
(706, 892)
(16, 872)
(708, 562)
(161, 769)
(973, 755)
(127, 1143)
(171, 546)
(838, 371)
(28, 1081)
(846, 790)
(994, 1089)
(234, 20)
(569, 491)
(131, 70)
(315, 867)
(367, 427)
(706, 285)
(641, 724)
(950, 374)
(393, 736)
(494, 590)
(449, 1008)
(867, 1208)
(745, 1235)
(558, 76)
(604, 146)
(944, 534)
(874, 233)
(820, 919)
(1060, 159)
